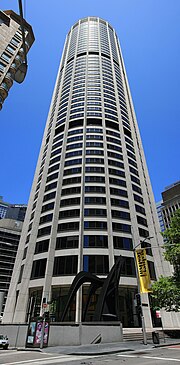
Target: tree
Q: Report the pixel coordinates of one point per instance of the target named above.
(166, 291)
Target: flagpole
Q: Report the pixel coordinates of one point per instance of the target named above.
(138, 282)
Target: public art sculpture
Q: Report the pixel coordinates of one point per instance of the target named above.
(107, 307)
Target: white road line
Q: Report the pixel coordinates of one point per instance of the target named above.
(152, 357)
(160, 358)
(50, 360)
(127, 355)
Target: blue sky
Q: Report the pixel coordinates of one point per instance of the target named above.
(149, 33)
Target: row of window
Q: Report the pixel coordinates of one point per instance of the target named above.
(95, 264)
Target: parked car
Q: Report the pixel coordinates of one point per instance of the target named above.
(4, 343)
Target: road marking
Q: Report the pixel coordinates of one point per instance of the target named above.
(152, 357)
(51, 360)
(160, 358)
(127, 355)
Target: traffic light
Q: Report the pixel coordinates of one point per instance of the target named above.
(138, 299)
(46, 315)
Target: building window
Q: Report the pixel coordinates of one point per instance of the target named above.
(69, 213)
(119, 227)
(46, 218)
(67, 242)
(38, 269)
(152, 270)
(96, 264)
(71, 226)
(122, 243)
(42, 246)
(128, 268)
(47, 207)
(96, 241)
(95, 225)
(49, 196)
(65, 265)
(44, 231)
(95, 212)
(120, 215)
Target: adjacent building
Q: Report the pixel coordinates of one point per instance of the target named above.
(91, 199)
(11, 49)
(170, 202)
(12, 211)
(10, 231)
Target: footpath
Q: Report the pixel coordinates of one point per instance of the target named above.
(109, 348)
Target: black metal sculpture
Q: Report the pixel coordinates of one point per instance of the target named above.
(107, 307)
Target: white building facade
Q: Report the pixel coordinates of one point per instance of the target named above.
(91, 198)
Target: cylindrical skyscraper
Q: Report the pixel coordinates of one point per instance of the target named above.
(91, 198)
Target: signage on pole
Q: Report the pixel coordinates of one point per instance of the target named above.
(143, 271)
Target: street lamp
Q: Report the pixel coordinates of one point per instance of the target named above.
(138, 298)
(22, 69)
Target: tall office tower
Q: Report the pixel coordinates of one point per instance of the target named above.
(170, 202)
(11, 49)
(160, 215)
(10, 231)
(91, 198)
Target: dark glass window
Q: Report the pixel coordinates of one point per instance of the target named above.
(70, 201)
(135, 179)
(72, 180)
(69, 213)
(95, 212)
(96, 241)
(94, 189)
(53, 168)
(65, 265)
(134, 171)
(128, 268)
(136, 188)
(47, 207)
(67, 242)
(95, 225)
(122, 243)
(95, 160)
(46, 218)
(120, 215)
(71, 226)
(96, 264)
(73, 190)
(119, 192)
(115, 155)
(143, 232)
(77, 161)
(38, 269)
(74, 170)
(51, 186)
(116, 163)
(73, 153)
(44, 231)
(94, 152)
(42, 246)
(141, 220)
(119, 182)
(138, 198)
(95, 200)
(52, 177)
(116, 172)
(119, 203)
(55, 159)
(152, 270)
(100, 179)
(140, 209)
(95, 169)
(119, 227)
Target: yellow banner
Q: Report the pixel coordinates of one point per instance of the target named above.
(143, 271)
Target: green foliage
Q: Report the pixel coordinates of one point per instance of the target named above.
(166, 291)
(166, 294)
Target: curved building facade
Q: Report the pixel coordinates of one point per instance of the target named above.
(91, 198)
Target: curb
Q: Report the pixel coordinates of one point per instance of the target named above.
(99, 353)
